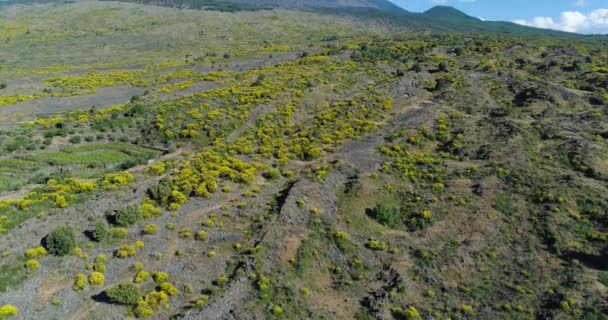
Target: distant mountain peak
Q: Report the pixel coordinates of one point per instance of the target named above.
(448, 12)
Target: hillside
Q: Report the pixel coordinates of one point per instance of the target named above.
(299, 163)
(438, 19)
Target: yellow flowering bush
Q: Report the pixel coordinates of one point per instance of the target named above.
(80, 282)
(97, 279)
(32, 265)
(8, 310)
(115, 180)
(149, 211)
(35, 252)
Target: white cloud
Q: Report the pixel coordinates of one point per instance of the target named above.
(572, 21)
(580, 3)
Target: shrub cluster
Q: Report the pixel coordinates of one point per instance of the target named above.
(123, 293)
(61, 241)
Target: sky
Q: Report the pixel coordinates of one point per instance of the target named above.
(582, 16)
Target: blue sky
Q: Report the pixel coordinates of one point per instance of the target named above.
(583, 16)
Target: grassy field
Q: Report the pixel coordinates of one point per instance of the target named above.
(112, 34)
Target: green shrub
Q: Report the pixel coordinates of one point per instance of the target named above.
(604, 278)
(61, 241)
(272, 174)
(123, 293)
(102, 231)
(387, 216)
(127, 216)
(75, 139)
(503, 203)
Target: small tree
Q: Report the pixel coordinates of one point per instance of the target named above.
(124, 293)
(61, 241)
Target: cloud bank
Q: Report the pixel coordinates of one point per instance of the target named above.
(572, 21)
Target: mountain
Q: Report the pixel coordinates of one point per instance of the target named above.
(449, 19)
(436, 19)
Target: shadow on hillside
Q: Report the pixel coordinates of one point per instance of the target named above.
(90, 234)
(101, 297)
(598, 262)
